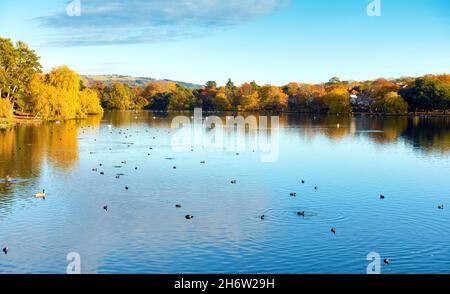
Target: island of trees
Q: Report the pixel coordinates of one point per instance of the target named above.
(61, 94)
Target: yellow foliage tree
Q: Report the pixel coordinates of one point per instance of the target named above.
(249, 101)
(6, 108)
(338, 101)
(57, 95)
(90, 102)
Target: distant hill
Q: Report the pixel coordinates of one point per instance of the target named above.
(132, 81)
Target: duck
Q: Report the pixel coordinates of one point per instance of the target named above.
(178, 205)
(441, 206)
(233, 181)
(126, 188)
(387, 261)
(293, 194)
(40, 194)
(8, 179)
(5, 250)
(303, 181)
(382, 197)
(174, 167)
(301, 213)
(316, 188)
(202, 162)
(333, 230)
(189, 216)
(263, 217)
(105, 207)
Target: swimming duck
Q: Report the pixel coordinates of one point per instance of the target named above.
(126, 188)
(178, 205)
(316, 188)
(189, 216)
(382, 197)
(441, 206)
(233, 181)
(202, 162)
(387, 261)
(5, 250)
(301, 213)
(293, 194)
(263, 217)
(333, 230)
(105, 207)
(303, 181)
(40, 194)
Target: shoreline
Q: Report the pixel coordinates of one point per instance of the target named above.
(6, 123)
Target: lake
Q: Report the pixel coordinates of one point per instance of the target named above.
(227, 178)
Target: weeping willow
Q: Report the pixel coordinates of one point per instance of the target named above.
(58, 96)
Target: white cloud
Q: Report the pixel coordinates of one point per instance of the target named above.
(139, 21)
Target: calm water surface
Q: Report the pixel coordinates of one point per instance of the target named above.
(352, 160)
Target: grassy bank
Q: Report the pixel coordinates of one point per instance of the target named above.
(6, 123)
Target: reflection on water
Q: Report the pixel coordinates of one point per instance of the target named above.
(351, 158)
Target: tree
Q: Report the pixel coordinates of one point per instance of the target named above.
(273, 98)
(231, 92)
(120, 97)
(430, 92)
(334, 80)
(394, 104)
(57, 95)
(211, 85)
(90, 102)
(18, 65)
(338, 101)
(249, 101)
(221, 101)
(181, 99)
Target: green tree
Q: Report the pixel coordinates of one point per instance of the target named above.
(181, 99)
(18, 65)
(394, 104)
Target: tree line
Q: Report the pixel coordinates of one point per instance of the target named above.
(61, 94)
(400, 96)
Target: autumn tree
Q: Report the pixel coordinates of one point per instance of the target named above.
(57, 95)
(222, 101)
(338, 101)
(273, 98)
(247, 97)
(120, 97)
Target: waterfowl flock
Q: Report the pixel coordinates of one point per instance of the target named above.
(42, 195)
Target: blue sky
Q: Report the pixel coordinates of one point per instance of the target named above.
(270, 41)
